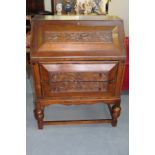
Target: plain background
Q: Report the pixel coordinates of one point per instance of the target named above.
(13, 75)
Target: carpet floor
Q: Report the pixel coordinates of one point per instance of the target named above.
(93, 139)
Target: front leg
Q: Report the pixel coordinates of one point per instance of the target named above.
(116, 110)
(39, 115)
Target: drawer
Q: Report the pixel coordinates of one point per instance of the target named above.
(78, 78)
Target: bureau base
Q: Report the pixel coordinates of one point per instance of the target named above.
(114, 111)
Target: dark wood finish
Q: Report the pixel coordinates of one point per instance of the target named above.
(34, 6)
(77, 60)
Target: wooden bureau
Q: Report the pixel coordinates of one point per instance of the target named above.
(77, 60)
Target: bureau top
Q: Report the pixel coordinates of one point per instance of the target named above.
(76, 17)
(73, 37)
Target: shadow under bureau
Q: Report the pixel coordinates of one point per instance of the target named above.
(77, 60)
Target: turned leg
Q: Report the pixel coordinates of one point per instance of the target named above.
(39, 115)
(116, 110)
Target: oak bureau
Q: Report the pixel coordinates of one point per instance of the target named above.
(77, 60)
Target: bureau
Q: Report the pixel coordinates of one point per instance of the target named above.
(77, 60)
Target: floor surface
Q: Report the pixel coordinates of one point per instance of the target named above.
(95, 139)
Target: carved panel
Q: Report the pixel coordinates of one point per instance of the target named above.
(77, 86)
(96, 36)
(77, 76)
(84, 77)
(78, 82)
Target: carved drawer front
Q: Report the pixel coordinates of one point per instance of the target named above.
(77, 78)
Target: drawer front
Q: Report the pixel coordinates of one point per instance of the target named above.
(78, 78)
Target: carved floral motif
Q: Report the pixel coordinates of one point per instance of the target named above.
(97, 36)
(77, 76)
(78, 86)
(78, 82)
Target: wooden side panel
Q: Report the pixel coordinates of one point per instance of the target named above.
(120, 76)
(37, 81)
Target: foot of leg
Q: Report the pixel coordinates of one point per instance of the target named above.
(116, 110)
(114, 123)
(39, 115)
